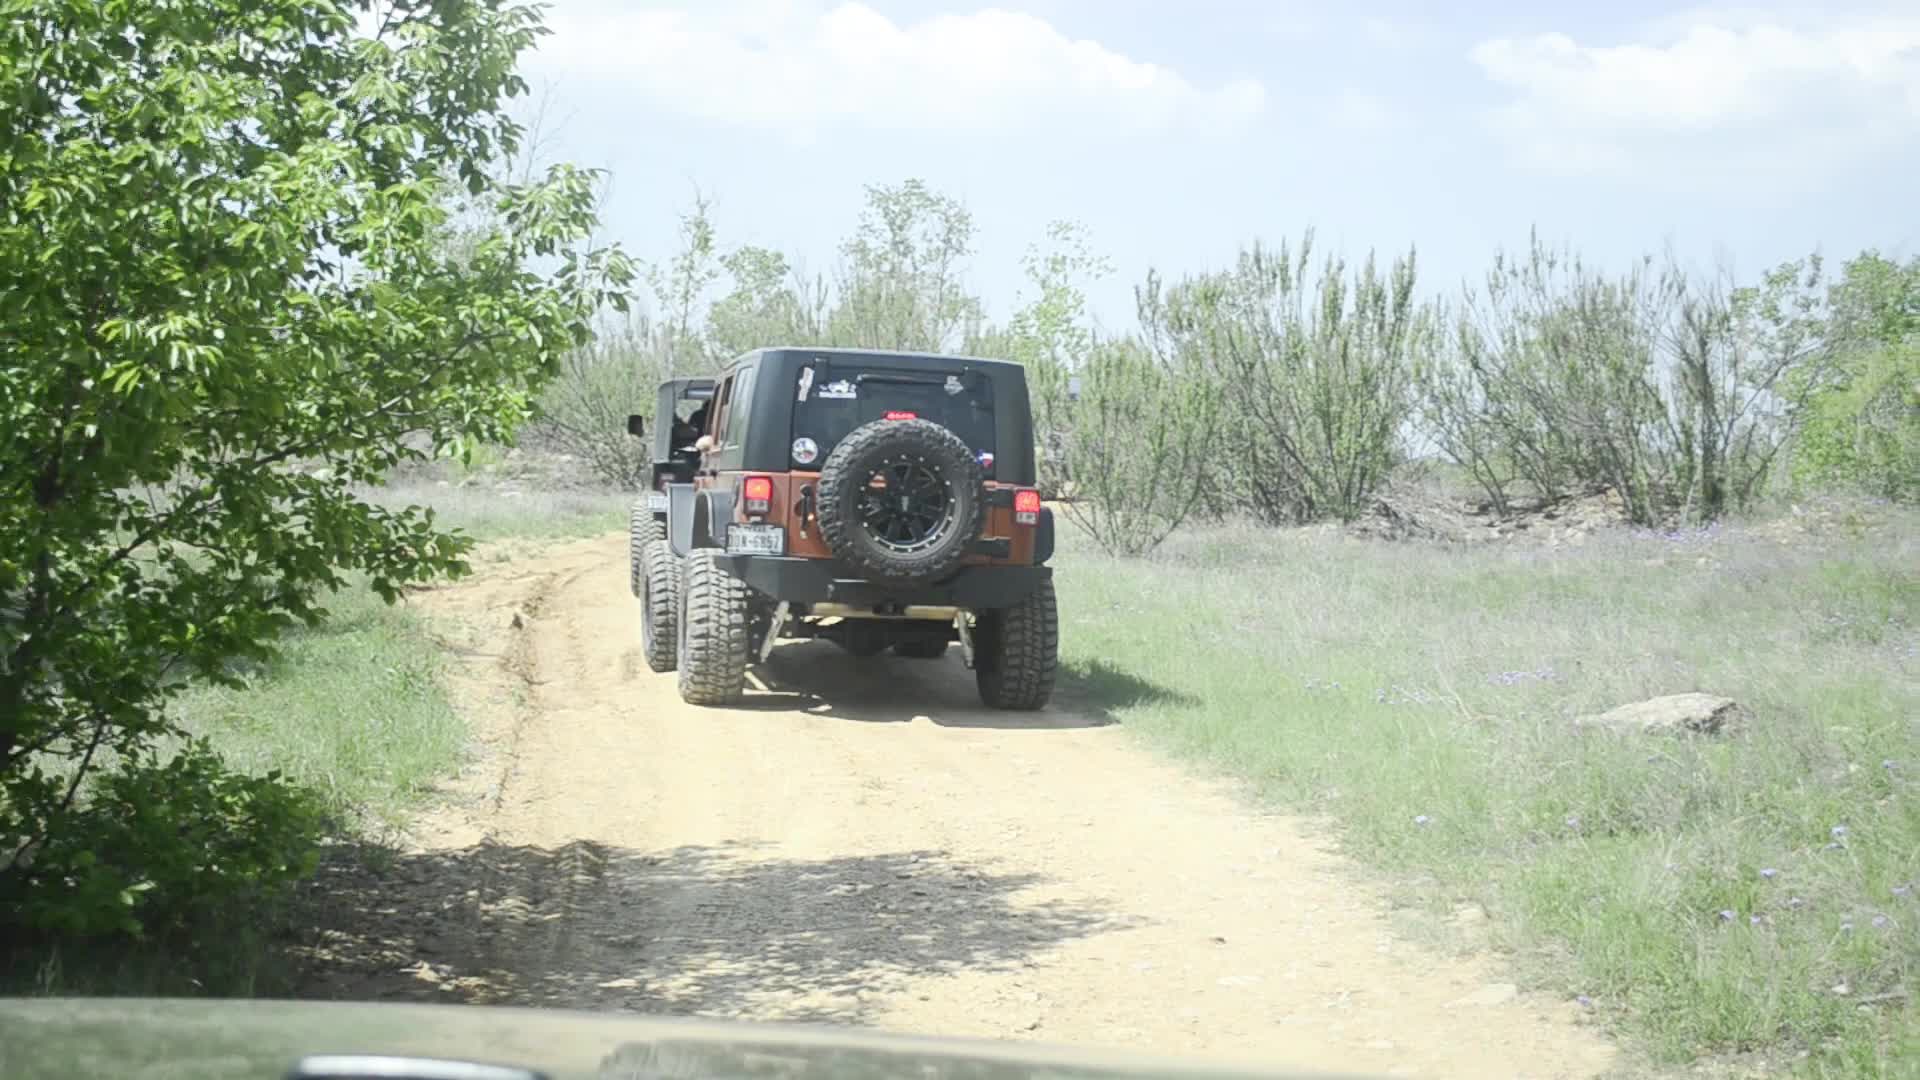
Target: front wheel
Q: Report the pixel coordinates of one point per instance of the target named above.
(1016, 652)
(642, 529)
(715, 616)
(660, 606)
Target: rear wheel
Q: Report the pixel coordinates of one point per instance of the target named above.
(921, 648)
(642, 528)
(715, 617)
(660, 603)
(1016, 651)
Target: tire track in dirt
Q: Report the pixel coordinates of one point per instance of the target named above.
(862, 843)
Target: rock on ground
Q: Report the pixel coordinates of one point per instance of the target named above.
(1704, 714)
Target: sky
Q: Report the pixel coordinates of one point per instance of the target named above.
(1178, 133)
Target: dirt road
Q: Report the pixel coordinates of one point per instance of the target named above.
(862, 843)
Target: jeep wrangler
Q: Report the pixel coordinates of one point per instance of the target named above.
(680, 415)
(879, 500)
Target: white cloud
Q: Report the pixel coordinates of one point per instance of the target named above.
(1738, 90)
(797, 69)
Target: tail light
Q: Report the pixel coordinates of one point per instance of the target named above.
(902, 414)
(1026, 506)
(757, 494)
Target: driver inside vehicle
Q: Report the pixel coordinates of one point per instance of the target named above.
(686, 432)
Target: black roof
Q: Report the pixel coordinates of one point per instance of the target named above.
(835, 353)
(767, 440)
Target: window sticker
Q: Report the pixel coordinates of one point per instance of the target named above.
(806, 382)
(842, 390)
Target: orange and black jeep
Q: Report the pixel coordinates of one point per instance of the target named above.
(876, 499)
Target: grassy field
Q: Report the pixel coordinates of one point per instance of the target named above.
(1750, 897)
(486, 513)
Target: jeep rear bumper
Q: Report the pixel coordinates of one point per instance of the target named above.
(816, 581)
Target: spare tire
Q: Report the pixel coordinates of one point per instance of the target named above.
(901, 501)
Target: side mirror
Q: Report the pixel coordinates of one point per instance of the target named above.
(636, 426)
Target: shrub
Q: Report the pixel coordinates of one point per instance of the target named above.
(1865, 433)
(157, 845)
(1670, 388)
(1137, 442)
(583, 412)
(1313, 375)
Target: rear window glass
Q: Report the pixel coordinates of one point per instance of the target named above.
(832, 400)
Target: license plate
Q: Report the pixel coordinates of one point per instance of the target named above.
(657, 501)
(756, 540)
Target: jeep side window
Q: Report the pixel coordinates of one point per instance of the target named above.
(731, 433)
(717, 417)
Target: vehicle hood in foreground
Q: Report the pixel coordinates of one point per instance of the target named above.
(235, 1039)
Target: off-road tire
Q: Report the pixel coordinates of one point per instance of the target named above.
(850, 466)
(714, 633)
(660, 606)
(921, 649)
(642, 529)
(1016, 652)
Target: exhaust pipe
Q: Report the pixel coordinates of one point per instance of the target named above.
(937, 613)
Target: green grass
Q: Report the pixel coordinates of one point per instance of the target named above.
(487, 514)
(1422, 697)
(353, 709)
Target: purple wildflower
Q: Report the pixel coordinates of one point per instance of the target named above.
(1795, 903)
(1903, 891)
(1769, 873)
(1756, 920)
(1573, 823)
(1584, 1001)
(1846, 928)
(1726, 915)
(1881, 922)
(1839, 832)
(1421, 819)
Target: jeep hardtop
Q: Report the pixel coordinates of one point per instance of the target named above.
(880, 500)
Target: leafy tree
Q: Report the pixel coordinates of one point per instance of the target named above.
(584, 411)
(680, 290)
(1862, 423)
(1052, 336)
(771, 303)
(900, 286)
(226, 300)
